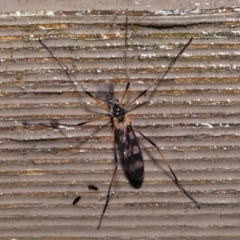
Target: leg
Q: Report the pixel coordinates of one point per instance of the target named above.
(125, 57)
(173, 174)
(69, 73)
(160, 75)
(55, 124)
(110, 185)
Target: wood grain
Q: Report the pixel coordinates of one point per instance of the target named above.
(192, 115)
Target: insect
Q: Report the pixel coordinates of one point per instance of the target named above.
(124, 137)
(76, 200)
(92, 187)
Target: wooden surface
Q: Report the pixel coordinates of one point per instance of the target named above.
(192, 115)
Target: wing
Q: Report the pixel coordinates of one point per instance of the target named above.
(130, 152)
(105, 91)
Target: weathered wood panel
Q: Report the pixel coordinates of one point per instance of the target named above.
(192, 115)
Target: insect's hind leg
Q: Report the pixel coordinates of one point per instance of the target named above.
(176, 181)
(110, 185)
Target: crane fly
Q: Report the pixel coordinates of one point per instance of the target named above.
(124, 137)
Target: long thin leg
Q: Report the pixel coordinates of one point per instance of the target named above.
(178, 184)
(125, 57)
(160, 75)
(69, 73)
(110, 185)
(55, 124)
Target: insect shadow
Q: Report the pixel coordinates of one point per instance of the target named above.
(123, 133)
